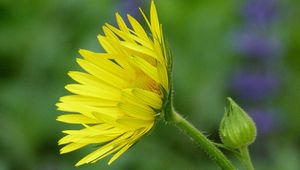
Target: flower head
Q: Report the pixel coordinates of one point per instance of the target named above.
(121, 92)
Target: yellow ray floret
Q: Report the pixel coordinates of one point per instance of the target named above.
(122, 91)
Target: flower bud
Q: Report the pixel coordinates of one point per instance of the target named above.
(237, 129)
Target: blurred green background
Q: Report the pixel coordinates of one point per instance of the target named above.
(39, 41)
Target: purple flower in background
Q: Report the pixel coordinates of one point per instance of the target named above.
(255, 45)
(130, 7)
(265, 120)
(255, 83)
(260, 11)
(255, 86)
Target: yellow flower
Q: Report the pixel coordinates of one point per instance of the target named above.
(123, 90)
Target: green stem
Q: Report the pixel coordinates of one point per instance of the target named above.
(246, 158)
(200, 139)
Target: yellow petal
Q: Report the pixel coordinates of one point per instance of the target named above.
(112, 112)
(139, 30)
(102, 74)
(107, 64)
(87, 139)
(146, 19)
(109, 33)
(152, 99)
(94, 155)
(163, 76)
(93, 91)
(76, 119)
(132, 141)
(128, 96)
(107, 115)
(140, 49)
(71, 147)
(147, 68)
(90, 101)
(131, 123)
(90, 80)
(121, 23)
(154, 22)
(134, 36)
(87, 54)
(85, 110)
(104, 149)
(110, 152)
(136, 111)
(89, 130)
(121, 151)
(100, 113)
(106, 45)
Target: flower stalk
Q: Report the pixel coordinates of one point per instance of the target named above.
(190, 130)
(246, 158)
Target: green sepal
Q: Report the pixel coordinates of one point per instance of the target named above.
(237, 129)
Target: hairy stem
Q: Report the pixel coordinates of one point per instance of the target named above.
(246, 158)
(207, 145)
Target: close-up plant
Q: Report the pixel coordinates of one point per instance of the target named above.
(149, 85)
